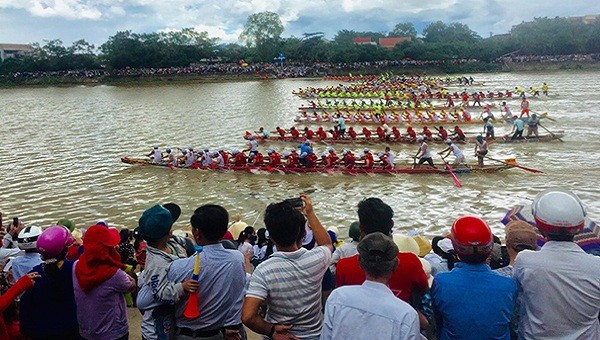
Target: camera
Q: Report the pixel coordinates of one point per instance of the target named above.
(296, 202)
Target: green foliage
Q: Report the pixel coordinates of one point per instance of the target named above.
(553, 36)
(406, 29)
(261, 28)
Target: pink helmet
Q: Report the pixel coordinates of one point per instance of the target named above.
(53, 241)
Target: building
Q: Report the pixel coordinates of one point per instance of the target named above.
(363, 41)
(391, 42)
(14, 50)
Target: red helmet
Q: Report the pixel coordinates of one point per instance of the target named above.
(471, 235)
(558, 212)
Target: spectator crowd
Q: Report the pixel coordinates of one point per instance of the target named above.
(296, 279)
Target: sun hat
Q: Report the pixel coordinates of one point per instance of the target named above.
(424, 245)
(520, 233)
(406, 244)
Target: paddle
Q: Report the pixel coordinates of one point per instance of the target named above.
(191, 310)
(515, 165)
(550, 132)
(456, 181)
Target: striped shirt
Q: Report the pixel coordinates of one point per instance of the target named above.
(291, 283)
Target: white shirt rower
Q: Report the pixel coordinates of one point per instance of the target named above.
(156, 155)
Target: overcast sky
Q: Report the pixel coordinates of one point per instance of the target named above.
(28, 21)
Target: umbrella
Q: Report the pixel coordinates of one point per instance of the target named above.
(588, 239)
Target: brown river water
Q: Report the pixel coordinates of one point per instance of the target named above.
(60, 150)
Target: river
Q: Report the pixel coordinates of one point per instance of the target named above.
(60, 150)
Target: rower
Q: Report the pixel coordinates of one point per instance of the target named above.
(332, 157)
(390, 157)
(396, 133)
(545, 88)
(518, 127)
(532, 126)
(481, 149)
(171, 158)
(156, 155)
(411, 133)
(239, 158)
(274, 158)
(459, 157)
(225, 156)
(324, 160)
(423, 154)
(252, 147)
(524, 107)
(294, 132)
(305, 147)
(352, 133)
(366, 132)
(258, 159)
(427, 133)
(534, 91)
(281, 132)
(488, 128)
(190, 158)
(311, 160)
(264, 134)
(368, 159)
(291, 159)
(380, 133)
(321, 133)
(341, 123)
(308, 133)
(207, 158)
(443, 133)
(458, 134)
(217, 159)
(507, 114)
(349, 160)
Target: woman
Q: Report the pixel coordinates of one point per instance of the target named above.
(47, 311)
(100, 282)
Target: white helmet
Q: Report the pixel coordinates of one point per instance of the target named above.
(27, 238)
(558, 212)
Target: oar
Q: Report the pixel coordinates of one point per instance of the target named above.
(515, 165)
(550, 132)
(456, 181)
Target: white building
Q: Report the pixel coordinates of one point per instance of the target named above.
(14, 50)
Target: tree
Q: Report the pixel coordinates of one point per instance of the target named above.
(404, 29)
(260, 28)
(438, 32)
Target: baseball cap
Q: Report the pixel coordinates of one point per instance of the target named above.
(66, 223)
(155, 223)
(520, 233)
(377, 247)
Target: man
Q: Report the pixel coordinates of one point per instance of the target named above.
(156, 155)
(558, 285)
(423, 154)
(488, 128)
(471, 301)
(459, 157)
(519, 236)
(532, 126)
(289, 281)
(222, 280)
(458, 134)
(341, 123)
(359, 312)
(524, 107)
(274, 158)
(481, 149)
(252, 148)
(408, 281)
(348, 159)
(517, 129)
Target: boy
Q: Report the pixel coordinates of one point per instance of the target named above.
(157, 294)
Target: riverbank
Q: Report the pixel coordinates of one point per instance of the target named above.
(149, 79)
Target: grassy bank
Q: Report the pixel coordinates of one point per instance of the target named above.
(441, 69)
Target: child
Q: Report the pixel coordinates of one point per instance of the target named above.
(157, 295)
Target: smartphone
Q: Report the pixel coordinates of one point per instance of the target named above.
(296, 202)
(15, 221)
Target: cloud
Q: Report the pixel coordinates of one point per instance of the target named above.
(97, 20)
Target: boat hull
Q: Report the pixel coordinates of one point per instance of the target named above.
(342, 170)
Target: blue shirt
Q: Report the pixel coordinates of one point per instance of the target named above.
(368, 311)
(23, 264)
(305, 148)
(222, 287)
(519, 124)
(473, 302)
(342, 123)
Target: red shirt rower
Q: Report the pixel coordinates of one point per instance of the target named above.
(281, 132)
(258, 160)
(274, 158)
(460, 135)
(321, 133)
(396, 133)
(380, 133)
(308, 133)
(239, 158)
(443, 133)
(366, 132)
(225, 156)
(332, 158)
(311, 160)
(368, 159)
(352, 133)
(427, 133)
(294, 132)
(411, 132)
(349, 159)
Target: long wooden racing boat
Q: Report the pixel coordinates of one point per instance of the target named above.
(541, 138)
(399, 169)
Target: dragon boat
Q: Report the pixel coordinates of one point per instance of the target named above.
(398, 169)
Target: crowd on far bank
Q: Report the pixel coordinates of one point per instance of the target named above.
(295, 279)
(275, 70)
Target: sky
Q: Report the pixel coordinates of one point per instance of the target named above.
(31, 21)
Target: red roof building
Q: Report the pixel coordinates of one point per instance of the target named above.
(389, 43)
(363, 41)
